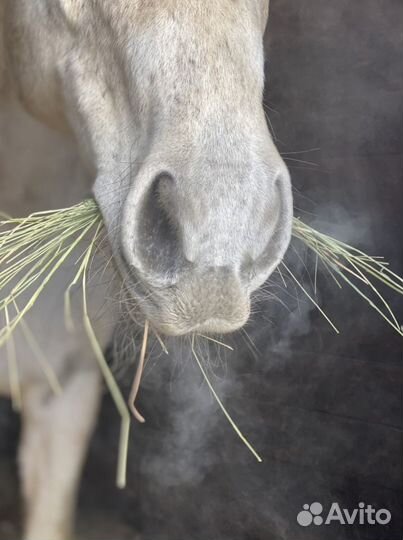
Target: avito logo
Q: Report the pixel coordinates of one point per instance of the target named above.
(365, 514)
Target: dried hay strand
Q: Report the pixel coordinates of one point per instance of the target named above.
(34, 248)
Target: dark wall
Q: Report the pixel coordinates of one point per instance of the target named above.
(324, 410)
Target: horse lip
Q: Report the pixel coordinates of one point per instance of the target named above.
(153, 304)
(214, 326)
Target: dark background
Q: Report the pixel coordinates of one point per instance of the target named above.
(324, 410)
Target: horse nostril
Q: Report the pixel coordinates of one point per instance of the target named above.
(276, 228)
(157, 236)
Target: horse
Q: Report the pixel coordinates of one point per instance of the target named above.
(154, 107)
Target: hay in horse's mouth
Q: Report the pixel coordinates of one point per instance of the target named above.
(34, 248)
